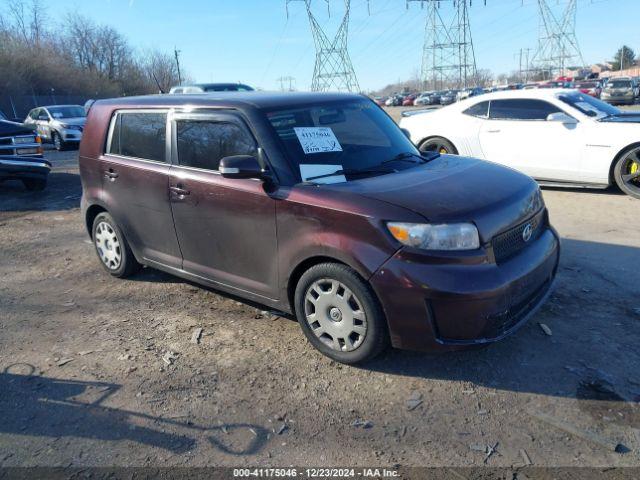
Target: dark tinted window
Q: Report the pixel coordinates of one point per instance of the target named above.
(478, 110)
(140, 135)
(521, 109)
(201, 144)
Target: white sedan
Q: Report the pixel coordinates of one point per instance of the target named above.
(559, 137)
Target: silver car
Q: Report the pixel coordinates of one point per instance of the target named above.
(61, 125)
(620, 90)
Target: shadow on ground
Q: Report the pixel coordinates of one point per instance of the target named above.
(49, 407)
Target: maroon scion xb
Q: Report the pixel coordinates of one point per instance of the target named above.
(317, 205)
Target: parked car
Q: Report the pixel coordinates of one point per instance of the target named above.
(380, 101)
(620, 90)
(469, 92)
(61, 125)
(317, 205)
(211, 87)
(409, 101)
(590, 88)
(448, 97)
(561, 137)
(32, 171)
(18, 140)
(423, 99)
(394, 101)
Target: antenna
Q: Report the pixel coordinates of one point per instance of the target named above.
(333, 69)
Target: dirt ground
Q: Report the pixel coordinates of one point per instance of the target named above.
(83, 381)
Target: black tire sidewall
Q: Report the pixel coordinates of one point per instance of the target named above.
(129, 264)
(55, 135)
(451, 150)
(376, 338)
(617, 174)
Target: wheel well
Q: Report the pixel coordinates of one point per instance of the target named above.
(438, 136)
(299, 271)
(612, 179)
(92, 213)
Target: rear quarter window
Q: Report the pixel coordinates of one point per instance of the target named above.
(139, 135)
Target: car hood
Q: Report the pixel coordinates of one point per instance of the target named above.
(453, 189)
(73, 121)
(9, 129)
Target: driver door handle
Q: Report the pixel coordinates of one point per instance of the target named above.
(493, 131)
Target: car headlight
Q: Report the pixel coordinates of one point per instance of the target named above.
(22, 140)
(454, 236)
(71, 127)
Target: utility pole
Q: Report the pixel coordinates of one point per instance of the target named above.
(558, 46)
(448, 57)
(283, 80)
(333, 69)
(176, 53)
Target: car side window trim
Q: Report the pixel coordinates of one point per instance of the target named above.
(112, 123)
(221, 116)
(560, 110)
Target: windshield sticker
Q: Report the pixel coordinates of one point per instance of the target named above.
(587, 107)
(317, 140)
(310, 170)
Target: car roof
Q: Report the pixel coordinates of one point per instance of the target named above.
(254, 99)
(54, 106)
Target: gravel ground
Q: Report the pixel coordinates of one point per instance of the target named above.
(83, 381)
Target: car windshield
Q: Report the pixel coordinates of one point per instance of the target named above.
(73, 111)
(348, 136)
(2, 117)
(587, 85)
(588, 105)
(619, 84)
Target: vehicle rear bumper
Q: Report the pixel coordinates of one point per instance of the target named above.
(23, 167)
(435, 305)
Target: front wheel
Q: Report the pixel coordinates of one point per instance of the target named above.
(58, 143)
(439, 145)
(627, 172)
(340, 314)
(112, 247)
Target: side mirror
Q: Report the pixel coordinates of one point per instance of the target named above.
(241, 166)
(562, 118)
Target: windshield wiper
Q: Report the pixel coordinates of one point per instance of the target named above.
(351, 171)
(406, 156)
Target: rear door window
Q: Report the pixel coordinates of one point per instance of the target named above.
(479, 110)
(139, 135)
(521, 109)
(203, 143)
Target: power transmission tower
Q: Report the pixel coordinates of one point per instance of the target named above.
(284, 80)
(558, 46)
(448, 58)
(333, 68)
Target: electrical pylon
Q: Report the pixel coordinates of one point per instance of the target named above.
(448, 58)
(333, 68)
(558, 46)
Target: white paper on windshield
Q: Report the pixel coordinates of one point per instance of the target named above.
(587, 107)
(308, 171)
(317, 140)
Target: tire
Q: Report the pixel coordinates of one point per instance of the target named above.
(112, 247)
(626, 172)
(35, 185)
(58, 143)
(342, 296)
(438, 144)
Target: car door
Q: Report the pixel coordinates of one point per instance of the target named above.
(226, 227)
(136, 182)
(518, 134)
(41, 118)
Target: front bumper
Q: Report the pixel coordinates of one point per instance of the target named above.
(618, 99)
(19, 168)
(71, 136)
(435, 303)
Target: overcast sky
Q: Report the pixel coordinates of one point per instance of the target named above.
(253, 42)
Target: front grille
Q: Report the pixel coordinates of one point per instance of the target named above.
(6, 140)
(509, 243)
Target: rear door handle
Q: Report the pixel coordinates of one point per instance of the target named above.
(179, 191)
(111, 174)
(493, 131)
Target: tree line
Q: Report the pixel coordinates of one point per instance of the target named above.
(75, 56)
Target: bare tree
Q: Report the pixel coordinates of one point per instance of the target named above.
(161, 69)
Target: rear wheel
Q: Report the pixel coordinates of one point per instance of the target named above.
(339, 313)
(112, 247)
(439, 145)
(627, 172)
(34, 185)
